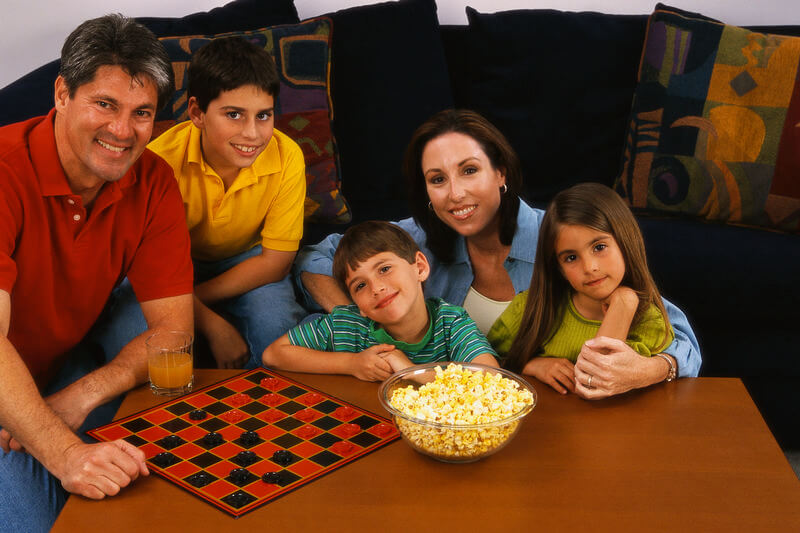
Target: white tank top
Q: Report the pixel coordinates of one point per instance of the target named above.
(484, 311)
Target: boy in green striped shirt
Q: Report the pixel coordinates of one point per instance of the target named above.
(391, 325)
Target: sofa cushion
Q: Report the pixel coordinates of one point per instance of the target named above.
(389, 75)
(559, 86)
(713, 127)
(32, 95)
(302, 57)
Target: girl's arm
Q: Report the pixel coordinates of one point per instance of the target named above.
(368, 365)
(620, 308)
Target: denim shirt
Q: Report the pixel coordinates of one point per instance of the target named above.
(451, 281)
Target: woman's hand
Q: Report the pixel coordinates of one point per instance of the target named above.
(607, 367)
(555, 371)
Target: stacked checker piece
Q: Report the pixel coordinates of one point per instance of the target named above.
(245, 441)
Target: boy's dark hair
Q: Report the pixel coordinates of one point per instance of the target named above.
(115, 40)
(367, 239)
(226, 64)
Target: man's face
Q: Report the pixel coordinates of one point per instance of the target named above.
(104, 127)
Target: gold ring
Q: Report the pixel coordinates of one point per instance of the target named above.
(589, 383)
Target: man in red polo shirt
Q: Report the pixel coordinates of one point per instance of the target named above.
(83, 206)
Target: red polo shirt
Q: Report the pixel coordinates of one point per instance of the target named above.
(60, 263)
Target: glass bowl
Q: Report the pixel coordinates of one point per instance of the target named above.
(454, 442)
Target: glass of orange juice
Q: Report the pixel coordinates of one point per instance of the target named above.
(169, 362)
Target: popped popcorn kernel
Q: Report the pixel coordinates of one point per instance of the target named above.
(459, 396)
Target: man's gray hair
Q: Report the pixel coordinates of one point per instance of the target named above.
(115, 40)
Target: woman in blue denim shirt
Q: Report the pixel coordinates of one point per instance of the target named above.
(464, 181)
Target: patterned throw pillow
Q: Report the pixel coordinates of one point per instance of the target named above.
(303, 110)
(715, 124)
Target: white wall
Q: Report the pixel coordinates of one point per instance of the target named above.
(32, 31)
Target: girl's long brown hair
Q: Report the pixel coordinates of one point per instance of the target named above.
(598, 207)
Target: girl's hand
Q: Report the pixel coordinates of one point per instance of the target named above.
(370, 364)
(623, 297)
(397, 360)
(557, 372)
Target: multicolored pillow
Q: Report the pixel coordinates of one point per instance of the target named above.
(304, 110)
(715, 124)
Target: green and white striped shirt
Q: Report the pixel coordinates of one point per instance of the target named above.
(451, 336)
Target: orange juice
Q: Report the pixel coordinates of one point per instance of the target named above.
(170, 370)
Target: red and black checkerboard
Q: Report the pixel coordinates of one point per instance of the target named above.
(245, 441)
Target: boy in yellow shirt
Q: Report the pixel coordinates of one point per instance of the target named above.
(243, 187)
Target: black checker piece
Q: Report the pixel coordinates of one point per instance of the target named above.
(280, 478)
(288, 424)
(164, 459)
(241, 477)
(200, 479)
(180, 408)
(217, 408)
(284, 457)
(325, 458)
(326, 423)
(287, 440)
(365, 439)
(214, 424)
(175, 425)
(256, 392)
(292, 391)
(291, 407)
(248, 439)
(364, 421)
(326, 440)
(136, 425)
(326, 407)
(220, 393)
(204, 460)
(257, 377)
(253, 408)
(239, 499)
(136, 440)
(170, 441)
(245, 458)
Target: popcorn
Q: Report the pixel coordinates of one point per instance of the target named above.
(460, 397)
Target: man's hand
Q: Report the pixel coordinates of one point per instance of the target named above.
(397, 360)
(370, 364)
(555, 371)
(99, 470)
(227, 345)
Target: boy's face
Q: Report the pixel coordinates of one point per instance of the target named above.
(387, 288)
(236, 128)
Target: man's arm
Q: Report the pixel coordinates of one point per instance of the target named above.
(325, 290)
(93, 470)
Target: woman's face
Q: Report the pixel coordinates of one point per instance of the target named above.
(462, 184)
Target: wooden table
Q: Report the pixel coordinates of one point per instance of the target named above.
(692, 455)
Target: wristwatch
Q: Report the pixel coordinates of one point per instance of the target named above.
(673, 373)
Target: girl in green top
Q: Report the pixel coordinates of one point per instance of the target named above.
(590, 279)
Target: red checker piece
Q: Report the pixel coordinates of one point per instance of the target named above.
(233, 416)
(238, 400)
(272, 399)
(308, 432)
(343, 447)
(306, 415)
(271, 416)
(344, 412)
(271, 383)
(383, 429)
(311, 398)
(351, 429)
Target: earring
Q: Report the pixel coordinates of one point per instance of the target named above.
(505, 188)
(430, 206)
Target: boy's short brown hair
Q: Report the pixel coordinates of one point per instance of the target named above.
(367, 239)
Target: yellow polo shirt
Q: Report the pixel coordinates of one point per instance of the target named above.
(264, 205)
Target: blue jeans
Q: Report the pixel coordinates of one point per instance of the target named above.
(260, 315)
(30, 496)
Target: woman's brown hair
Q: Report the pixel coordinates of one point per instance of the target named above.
(594, 206)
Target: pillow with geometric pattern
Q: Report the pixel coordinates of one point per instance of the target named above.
(715, 125)
(303, 109)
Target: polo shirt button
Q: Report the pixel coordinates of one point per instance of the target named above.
(70, 201)
(76, 217)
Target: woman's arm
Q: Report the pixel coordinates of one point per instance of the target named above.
(684, 349)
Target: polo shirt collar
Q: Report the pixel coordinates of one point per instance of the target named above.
(520, 250)
(268, 162)
(48, 169)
